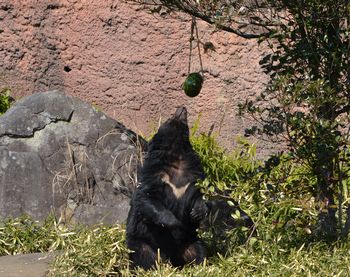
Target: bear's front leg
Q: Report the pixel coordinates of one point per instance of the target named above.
(199, 210)
(153, 209)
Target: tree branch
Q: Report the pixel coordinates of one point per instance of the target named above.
(190, 9)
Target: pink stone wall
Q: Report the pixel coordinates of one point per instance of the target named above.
(126, 61)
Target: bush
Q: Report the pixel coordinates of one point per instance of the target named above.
(5, 100)
(277, 193)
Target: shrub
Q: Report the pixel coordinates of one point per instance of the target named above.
(5, 100)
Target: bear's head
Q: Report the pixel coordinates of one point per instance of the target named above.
(173, 134)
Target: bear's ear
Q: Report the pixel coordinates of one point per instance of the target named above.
(181, 114)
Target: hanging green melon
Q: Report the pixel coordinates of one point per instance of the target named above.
(193, 84)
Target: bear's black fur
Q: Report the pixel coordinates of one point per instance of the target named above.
(167, 207)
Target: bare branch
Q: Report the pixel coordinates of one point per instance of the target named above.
(191, 8)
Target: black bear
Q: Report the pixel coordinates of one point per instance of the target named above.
(167, 207)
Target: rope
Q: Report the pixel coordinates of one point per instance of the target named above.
(191, 39)
(199, 49)
(194, 28)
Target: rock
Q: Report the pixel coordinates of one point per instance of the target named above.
(59, 154)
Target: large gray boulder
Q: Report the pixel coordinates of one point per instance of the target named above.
(59, 154)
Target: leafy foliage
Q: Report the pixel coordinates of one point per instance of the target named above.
(307, 101)
(277, 194)
(225, 171)
(5, 100)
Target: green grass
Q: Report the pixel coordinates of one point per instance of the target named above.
(101, 251)
(83, 251)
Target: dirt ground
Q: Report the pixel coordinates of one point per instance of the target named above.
(29, 265)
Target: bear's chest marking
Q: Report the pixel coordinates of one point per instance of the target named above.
(177, 191)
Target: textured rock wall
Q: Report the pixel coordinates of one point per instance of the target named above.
(126, 61)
